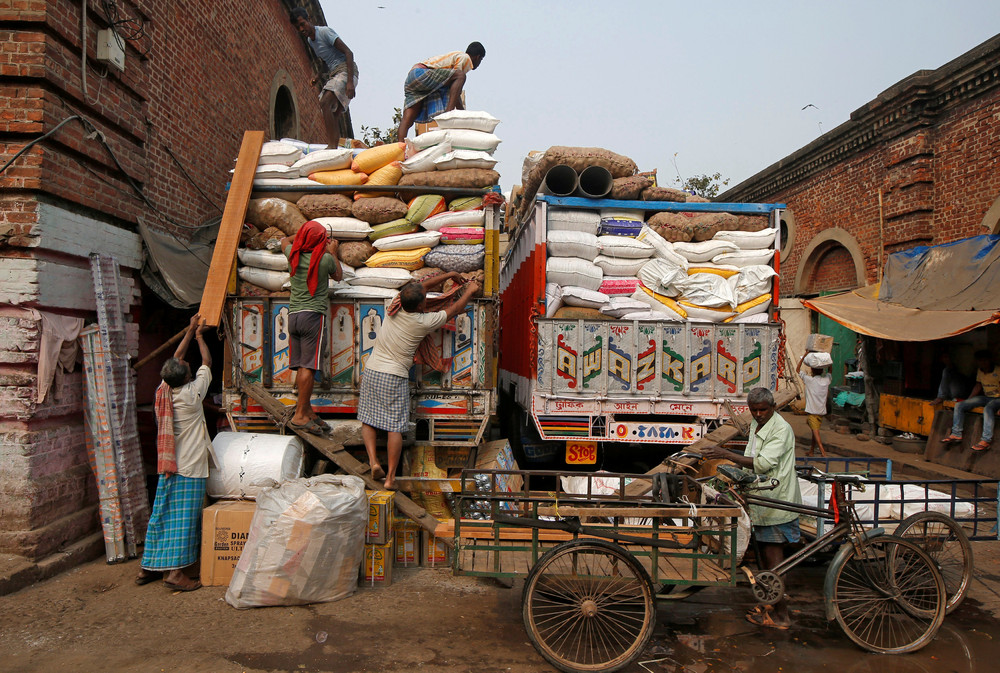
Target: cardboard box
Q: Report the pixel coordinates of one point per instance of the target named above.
(434, 552)
(498, 455)
(376, 568)
(819, 343)
(224, 529)
(381, 509)
(407, 540)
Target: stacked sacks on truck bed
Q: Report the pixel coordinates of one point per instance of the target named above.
(698, 267)
(384, 240)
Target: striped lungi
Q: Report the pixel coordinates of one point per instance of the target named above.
(426, 85)
(385, 401)
(337, 85)
(174, 533)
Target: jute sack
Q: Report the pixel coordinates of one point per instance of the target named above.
(664, 194)
(629, 188)
(325, 205)
(260, 240)
(460, 177)
(379, 210)
(673, 227)
(274, 212)
(355, 253)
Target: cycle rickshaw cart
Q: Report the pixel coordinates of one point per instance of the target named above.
(595, 563)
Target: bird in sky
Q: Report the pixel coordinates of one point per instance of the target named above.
(810, 105)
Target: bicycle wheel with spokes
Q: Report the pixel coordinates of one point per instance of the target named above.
(889, 597)
(588, 606)
(946, 543)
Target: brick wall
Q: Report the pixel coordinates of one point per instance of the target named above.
(930, 144)
(198, 78)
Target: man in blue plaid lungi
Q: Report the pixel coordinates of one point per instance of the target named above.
(183, 446)
(435, 86)
(385, 391)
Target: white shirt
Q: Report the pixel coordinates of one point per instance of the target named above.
(398, 339)
(817, 388)
(191, 439)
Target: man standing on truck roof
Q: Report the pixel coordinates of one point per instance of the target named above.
(430, 81)
(385, 390)
(312, 262)
(173, 536)
(771, 453)
(342, 71)
(986, 394)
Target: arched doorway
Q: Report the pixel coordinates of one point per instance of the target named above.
(284, 109)
(831, 262)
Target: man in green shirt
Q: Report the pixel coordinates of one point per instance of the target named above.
(312, 261)
(770, 453)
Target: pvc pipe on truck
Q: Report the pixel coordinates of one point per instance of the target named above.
(595, 182)
(560, 180)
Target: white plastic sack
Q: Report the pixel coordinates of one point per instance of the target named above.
(475, 120)
(705, 314)
(275, 171)
(704, 251)
(619, 266)
(553, 299)
(464, 159)
(414, 241)
(624, 247)
(425, 140)
(365, 292)
(817, 360)
(305, 545)
(583, 298)
(748, 240)
(573, 271)
(743, 258)
(650, 315)
(662, 248)
(263, 259)
(247, 460)
(275, 281)
(277, 152)
(580, 244)
(387, 277)
(324, 160)
(455, 218)
(752, 281)
(620, 306)
(654, 304)
(708, 289)
(423, 160)
(464, 139)
(573, 220)
(345, 228)
(662, 276)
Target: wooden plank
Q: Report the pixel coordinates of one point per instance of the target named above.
(224, 256)
(719, 436)
(336, 454)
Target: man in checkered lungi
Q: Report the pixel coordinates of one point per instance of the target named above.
(435, 86)
(182, 447)
(385, 391)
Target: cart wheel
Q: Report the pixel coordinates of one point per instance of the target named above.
(946, 543)
(889, 597)
(588, 606)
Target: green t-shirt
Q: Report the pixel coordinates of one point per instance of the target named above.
(301, 299)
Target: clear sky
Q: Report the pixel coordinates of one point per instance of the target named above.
(721, 85)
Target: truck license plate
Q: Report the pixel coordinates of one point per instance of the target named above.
(581, 453)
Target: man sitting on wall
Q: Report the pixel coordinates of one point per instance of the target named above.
(182, 446)
(385, 393)
(428, 83)
(771, 453)
(986, 394)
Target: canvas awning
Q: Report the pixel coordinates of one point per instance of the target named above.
(862, 312)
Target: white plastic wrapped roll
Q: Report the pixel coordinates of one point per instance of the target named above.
(249, 460)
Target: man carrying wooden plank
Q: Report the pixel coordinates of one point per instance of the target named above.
(312, 262)
(182, 447)
(435, 86)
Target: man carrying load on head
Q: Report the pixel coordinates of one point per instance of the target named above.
(312, 262)
(435, 85)
(342, 71)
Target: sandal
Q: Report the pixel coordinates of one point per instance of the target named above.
(194, 586)
(311, 427)
(759, 617)
(950, 439)
(981, 445)
(150, 576)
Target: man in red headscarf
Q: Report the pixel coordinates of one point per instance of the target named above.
(312, 261)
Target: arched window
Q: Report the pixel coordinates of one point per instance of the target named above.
(284, 110)
(832, 261)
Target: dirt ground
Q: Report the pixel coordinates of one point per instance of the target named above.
(95, 619)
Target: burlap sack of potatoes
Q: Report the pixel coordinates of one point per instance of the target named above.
(674, 227)
(705, 227)
(694, 198)
(425, 272)
(751, 223)
(274, 212)
(325, 205)
(379, 209)
(664, 194)
(629, 188)
(728, 222)
(355, 253)
(477, 275)
(259, 240)
(469, 178)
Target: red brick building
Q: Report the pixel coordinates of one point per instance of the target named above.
(915, 166)
(156, 143)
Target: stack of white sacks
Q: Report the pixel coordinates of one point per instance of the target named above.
(463, 139)
(612, 262)
(289, 162)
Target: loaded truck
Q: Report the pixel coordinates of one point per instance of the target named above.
(612, 392)
(451, 410)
